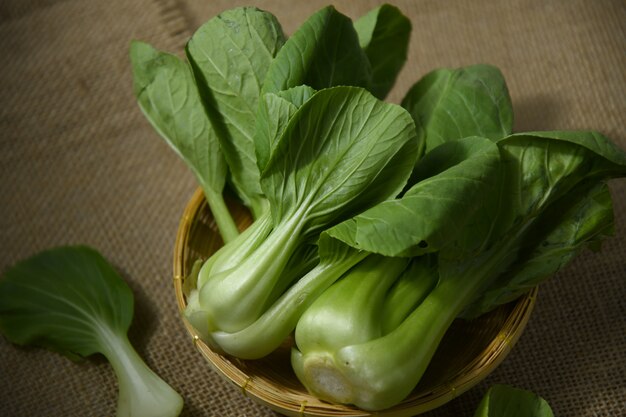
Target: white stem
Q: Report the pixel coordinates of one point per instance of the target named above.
(142, 393)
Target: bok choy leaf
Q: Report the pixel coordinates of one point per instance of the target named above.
(384, 35)
(450, 104)
(503, 400)
(167, 94)
(230, 55)
(324, 52)
(71, 300)
(275, 111)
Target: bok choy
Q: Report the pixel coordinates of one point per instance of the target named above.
(71, 300)
(490, 115)
(374, 225)
(545, 200)
(342, 151)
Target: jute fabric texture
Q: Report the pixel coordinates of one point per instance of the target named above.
(79, 164)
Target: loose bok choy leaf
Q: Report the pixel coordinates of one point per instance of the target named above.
(540, 174)
(71, 300)
(343, 150)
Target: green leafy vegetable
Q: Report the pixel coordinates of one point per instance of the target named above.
(71, 300)
(395, 227)
(218, 118)
(269, 330)
(447, 187)
(503, 400)
(375, 225)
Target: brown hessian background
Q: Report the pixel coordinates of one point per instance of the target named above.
(79, 164)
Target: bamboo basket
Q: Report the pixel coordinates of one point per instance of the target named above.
(467, 354)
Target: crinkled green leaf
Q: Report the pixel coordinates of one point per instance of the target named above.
(556, 205)
(323, 52)
(458, 182)
(342, 151)
(450, 104)
(231, 54)
(71, 300)
(384, 35)
(595, 142)
(542, 167)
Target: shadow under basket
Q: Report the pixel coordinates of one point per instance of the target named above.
(469, 351)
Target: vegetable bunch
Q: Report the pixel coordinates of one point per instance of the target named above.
(375, 225)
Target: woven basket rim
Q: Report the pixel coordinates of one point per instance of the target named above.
(301, 403)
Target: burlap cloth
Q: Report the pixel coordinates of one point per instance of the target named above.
(79, 164)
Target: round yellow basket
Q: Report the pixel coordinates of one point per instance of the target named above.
(467, 354)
